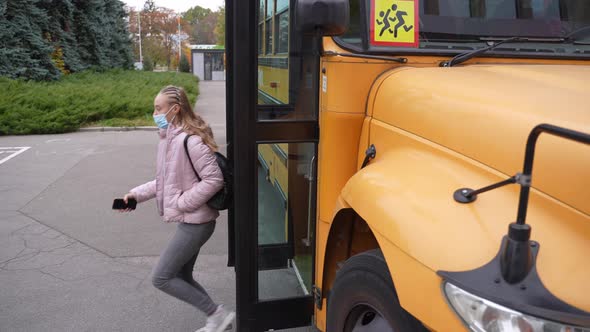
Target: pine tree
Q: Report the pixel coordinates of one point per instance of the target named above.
(118, 42)
(62, 36)
(40, 39)
(24, 50)
(87, 28)
(101, 33)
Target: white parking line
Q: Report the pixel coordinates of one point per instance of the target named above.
(12, 151)
(58, 140)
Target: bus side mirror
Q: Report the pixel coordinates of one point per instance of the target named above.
(328, 17)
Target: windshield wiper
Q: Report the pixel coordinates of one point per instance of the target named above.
(471, 54)
(366, 56)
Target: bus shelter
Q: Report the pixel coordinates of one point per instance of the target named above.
(208, 64)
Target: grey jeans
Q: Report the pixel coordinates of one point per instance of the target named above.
(174, 272)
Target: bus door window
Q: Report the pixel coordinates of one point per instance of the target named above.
(286, 66)
(285, 219)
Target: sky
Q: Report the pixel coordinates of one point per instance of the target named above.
(178, 5)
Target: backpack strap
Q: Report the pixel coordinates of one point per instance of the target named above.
(189, 156)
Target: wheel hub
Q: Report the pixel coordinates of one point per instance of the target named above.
(364, 318)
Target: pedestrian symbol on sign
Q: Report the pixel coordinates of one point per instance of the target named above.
(394, 23)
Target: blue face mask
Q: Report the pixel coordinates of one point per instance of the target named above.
(160, 119)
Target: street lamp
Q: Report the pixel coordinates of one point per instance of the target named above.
(179, 48)
(140, 51)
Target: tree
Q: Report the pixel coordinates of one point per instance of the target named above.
(61, 35)
(25, 52)
(166, 26)
(119, 44)
(220, 27)
(196, 14)
(41, 39)
(159, 27)
(201, 23)
(149, 6)
(102, 33)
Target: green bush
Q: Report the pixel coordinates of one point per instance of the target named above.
(185, 67)
(115, 97)
(148, 64)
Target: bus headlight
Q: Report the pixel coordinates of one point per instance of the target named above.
(481, 315)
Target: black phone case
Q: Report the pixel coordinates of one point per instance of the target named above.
(119, 204)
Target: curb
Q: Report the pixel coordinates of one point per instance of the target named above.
(102, 129)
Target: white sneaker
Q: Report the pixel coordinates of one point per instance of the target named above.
(220, 321)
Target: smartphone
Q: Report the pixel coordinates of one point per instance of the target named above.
(119, 204)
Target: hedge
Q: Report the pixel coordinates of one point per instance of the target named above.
(113, 97)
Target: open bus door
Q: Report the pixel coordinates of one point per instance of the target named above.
(272, 128)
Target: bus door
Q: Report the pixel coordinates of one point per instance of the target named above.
(272, 122)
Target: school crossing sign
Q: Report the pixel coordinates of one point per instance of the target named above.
(394, 23)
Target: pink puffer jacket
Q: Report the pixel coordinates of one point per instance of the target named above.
(180, 196)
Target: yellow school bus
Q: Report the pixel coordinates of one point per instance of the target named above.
(410, 165)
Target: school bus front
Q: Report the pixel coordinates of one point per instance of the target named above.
(412, 121)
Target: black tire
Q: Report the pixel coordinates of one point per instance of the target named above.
(364, 294)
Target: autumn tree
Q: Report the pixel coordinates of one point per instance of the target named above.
(220, 27)
(159, 28)
(201, 22)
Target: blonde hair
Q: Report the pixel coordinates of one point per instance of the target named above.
(191, 122)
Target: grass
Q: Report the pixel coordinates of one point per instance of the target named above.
(112, 98)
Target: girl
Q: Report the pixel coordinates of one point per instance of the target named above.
(182, 198)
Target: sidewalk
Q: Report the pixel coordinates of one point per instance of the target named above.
(70, 263)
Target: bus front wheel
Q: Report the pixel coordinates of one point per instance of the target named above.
(363, 298)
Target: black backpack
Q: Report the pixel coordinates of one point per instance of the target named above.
(223, 198)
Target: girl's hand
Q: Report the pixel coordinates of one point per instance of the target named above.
(126, 200)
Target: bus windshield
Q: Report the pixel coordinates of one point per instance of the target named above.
(561, 27)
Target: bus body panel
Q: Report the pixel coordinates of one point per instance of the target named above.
(487, 112)
(406, 196)
(273, 82)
